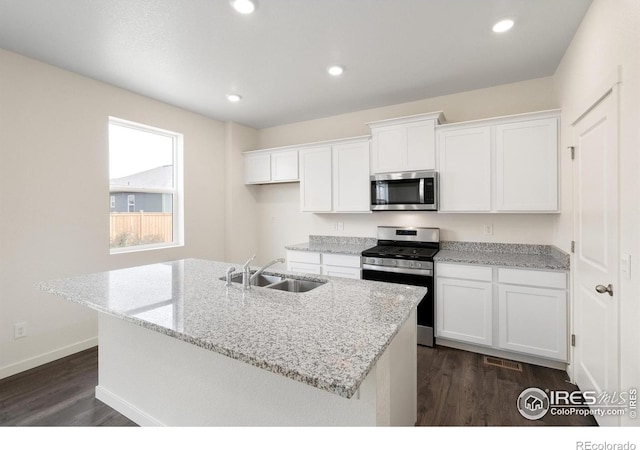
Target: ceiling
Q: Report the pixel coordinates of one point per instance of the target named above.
(191, 53)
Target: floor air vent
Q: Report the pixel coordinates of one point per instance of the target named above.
(505, 364)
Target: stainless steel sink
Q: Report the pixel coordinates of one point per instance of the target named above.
(296, 285)
(289, 284)
(261, 280)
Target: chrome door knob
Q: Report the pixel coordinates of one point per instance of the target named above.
(602, 289)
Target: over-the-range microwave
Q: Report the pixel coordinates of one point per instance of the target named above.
(405, 191)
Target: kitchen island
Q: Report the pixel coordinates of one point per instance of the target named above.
(178, 347)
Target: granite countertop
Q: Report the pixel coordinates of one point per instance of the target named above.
(329, 337)
(346, 245)
(509, 255)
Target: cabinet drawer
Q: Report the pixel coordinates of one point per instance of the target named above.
(303, 257)
(344, 272)
(333, 259)
(463, 271)
(553, 280)
(303, 268)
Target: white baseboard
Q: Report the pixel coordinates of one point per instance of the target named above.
(48, 357)
(125, 408)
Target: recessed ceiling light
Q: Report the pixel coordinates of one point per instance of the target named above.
(243, 6)
(234, 98)
(503, 25)
(335, 70)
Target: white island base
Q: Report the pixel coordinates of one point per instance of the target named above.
(157, 380)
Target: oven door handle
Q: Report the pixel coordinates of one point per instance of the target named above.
(408, 271)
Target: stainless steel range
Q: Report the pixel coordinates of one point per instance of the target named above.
(405, 256)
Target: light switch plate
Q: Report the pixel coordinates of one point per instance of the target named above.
(625, 265)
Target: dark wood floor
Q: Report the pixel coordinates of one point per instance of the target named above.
(454, 388)
(59, 393)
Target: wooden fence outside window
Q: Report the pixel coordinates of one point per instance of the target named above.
(138, 228)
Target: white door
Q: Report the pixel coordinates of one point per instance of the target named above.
(596, 320)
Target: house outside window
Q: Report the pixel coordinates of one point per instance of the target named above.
(145, 187)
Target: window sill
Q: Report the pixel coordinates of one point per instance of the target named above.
(142, 248)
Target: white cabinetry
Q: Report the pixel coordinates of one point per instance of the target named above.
(509, 310)
(533, 312)
(303, 262)
(465, 169)
(527, 166)
(315, 179)
(271, 166)
(330, 264)
(507, 164)
(404, 144)
(464, 303)
(335, 177)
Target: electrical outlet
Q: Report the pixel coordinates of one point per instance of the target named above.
(20, 330)
(340, 226)
(488, 230)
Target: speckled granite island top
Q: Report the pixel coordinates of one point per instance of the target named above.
(510, 255)
(329, 337)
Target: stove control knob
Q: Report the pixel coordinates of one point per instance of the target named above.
(418, 265)
(394, 262)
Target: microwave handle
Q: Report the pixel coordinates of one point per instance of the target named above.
(421, 190)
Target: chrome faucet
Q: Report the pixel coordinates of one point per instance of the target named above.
(229, 271)
(246, 273)
(261, 269)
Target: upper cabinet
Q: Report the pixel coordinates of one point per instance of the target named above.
(527, 165)
(464, 157)
(271, 166)
(404, 144)
(507, 164)
(334, 177)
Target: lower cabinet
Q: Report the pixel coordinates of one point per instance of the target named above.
(465, 309)
(515, 310)
(533, 319)
(330, 264)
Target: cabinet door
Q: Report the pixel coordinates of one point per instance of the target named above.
(343, 272)
(464, 310)
(533, 320)
(464, 163)
(284, 165)
(421, 145)
(351, 185)
(257, 168)
(387, 154)
(304, 268)
(527, 165)
(315, 179)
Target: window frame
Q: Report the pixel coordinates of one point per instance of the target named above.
(177, 191)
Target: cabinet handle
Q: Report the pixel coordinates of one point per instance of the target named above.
(602, 289)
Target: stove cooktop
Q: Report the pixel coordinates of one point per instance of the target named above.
(404, 252)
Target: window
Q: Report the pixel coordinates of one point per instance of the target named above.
(145, 187)
(131, 202)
